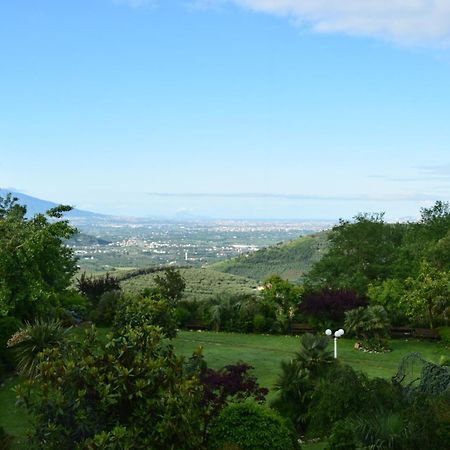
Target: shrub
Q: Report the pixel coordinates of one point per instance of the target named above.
(94, 287)
(229, 384)
(342, 436)
(139, 311)
(127, 393)
(365, 323)
(249, 426)
(8, 326)
(31, 340)
(259, 323)
(106, 309)
(444, 333)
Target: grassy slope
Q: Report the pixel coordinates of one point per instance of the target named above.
(289, 260)
(200, 283)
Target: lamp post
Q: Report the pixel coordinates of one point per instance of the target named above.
(337, 334)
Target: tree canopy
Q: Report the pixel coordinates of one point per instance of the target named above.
(35, 263)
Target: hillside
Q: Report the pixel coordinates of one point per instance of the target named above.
(290, 260)
(200, 283)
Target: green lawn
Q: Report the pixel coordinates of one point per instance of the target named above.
(264, 352)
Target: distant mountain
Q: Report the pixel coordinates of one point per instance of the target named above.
(290, 260)
(36, 205)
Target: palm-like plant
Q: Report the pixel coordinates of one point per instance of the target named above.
(365, 323)
(34, 338)
(313, 354)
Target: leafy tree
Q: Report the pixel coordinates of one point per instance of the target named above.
(129, 392)
(171, 285)
(361, 252)
(35, 263)
(427, 295)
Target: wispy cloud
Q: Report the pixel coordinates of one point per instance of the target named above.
(402, 21)
(413, 197)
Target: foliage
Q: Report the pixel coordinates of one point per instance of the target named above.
(105, 312)
(249, 426)
(298, 378)
(202, 284)
(444, 333)
(290, 260)
(342, 436)
(331, 304)
(35, 263)
(139, 311)
(5, 439)
(93, 287)
(367, 323)
(428, 294)
(31, 340)
(232, 383)
(172, 285)
(127, 393)
(8, 326)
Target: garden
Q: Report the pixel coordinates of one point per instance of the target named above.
(86, 365)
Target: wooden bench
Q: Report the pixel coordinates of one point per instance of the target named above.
(300, 328)
(196, 325)
(426, 333)
(401, 332)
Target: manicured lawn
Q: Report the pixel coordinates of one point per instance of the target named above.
(263, 352)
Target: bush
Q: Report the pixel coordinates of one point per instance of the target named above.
(94, 287)
(106, 309)
(127, 393)
(8, 326)
(366, 323)
(444, 333)
(139, 311)
(259, 323)
(31, 340)
(342, 436)
(250, 426)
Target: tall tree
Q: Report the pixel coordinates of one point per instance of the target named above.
(35, 263)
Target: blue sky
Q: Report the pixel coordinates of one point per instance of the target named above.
(255, 108)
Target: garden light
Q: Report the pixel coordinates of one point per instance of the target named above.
(337, 334)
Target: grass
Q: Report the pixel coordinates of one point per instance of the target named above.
(263, 352)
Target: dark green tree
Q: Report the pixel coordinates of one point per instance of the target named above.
(35, 263)
(171, 285)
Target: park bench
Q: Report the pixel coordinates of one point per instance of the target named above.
(196, 325)
(300, 328)
(426, 333)
(401, 332)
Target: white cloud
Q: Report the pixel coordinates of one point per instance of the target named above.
(401, 21)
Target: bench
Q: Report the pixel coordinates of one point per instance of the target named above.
(196, 325)
(401, 332)
(300, 328)
(426, 333)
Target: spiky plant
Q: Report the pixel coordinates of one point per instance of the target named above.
(32, 339)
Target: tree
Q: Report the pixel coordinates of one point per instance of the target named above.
(171, 286)
(35, 263)
(360, 252)
(428, 295)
